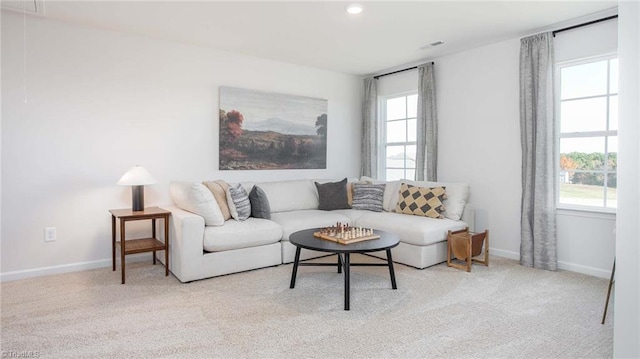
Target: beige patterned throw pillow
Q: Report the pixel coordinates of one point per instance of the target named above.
(421, 201)
(219, 189)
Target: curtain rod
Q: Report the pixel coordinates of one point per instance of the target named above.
(584, 24)
(395, 72)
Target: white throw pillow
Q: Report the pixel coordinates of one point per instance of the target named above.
(196, 198)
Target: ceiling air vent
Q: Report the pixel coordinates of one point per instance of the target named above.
(433, 44)
(33, 7)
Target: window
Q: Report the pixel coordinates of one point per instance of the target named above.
(398, 120)
(588, 112)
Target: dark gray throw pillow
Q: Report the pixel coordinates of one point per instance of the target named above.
(332, 195)
(368, 196)
(259, 203)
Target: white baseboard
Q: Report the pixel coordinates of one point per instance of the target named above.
(67, 268)
(80, 266)
(504, 254)
(596, 272)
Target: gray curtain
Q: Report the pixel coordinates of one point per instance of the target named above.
(370, 128)
(538, 140)
(427, 128)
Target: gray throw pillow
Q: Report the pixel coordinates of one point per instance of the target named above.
(368, 196)
(332, 195)
(239, 204)
(259, 203)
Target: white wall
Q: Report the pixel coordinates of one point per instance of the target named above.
(587, 41)
(100, 102)
(586, 242)
(479, 143)
(479, 136)
(626, 334)
(398, 83)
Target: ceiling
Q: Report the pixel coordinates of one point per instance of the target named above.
(321, 34)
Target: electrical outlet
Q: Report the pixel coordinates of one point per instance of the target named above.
(50, 234)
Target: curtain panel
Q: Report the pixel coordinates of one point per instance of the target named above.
(369, 153)
(539, 152)
(427, 126)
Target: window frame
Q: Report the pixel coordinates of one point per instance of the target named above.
(382, 133)
(585, 134)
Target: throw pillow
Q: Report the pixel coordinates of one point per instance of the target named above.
(368, 196)
(421, 201)
(350, 194)
(390, 192)
(239, 204)
(457, 194)
(332, 195)
(219, 190)
(196, 198)
(259, 203)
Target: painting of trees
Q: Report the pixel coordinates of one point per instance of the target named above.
(321, 125)
(260, 130)
(230, 126)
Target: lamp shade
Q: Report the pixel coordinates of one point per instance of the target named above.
(136, 176)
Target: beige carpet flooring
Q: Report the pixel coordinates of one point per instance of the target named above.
(503, 311)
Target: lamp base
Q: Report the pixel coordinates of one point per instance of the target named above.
(137, 198)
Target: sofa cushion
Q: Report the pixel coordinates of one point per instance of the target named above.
(416, 230)
(421, 201)
(239, 204)
(352, 214)
(259, 203)
(368, 196)
(235, 235)
(457, 195)
(196, 198)
(287, 196)
(304, 219)
(332, 195)
(219, 190)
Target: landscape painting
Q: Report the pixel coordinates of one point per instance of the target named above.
(265, 131)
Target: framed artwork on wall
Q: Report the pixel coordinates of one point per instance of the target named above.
(265, 131)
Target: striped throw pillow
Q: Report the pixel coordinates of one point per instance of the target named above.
(239, 204)
(368, 196)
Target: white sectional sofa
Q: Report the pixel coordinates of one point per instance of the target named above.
(200, 251)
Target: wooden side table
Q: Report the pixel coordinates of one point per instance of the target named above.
(465, 245)
(141, 245)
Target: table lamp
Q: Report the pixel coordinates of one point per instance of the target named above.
(137, 177)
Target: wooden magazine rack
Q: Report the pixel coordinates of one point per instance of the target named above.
(464, 246)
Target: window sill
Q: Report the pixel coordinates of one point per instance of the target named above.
(588, 213)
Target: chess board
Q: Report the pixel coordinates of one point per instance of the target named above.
(341, 240)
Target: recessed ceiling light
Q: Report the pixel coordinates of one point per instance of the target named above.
(354, 9)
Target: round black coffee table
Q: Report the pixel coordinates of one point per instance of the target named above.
(305, 239)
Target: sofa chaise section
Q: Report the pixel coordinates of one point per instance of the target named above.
(258, 246)
(422, 240)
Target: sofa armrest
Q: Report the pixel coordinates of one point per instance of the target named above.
(186, 246)
(469, 216)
